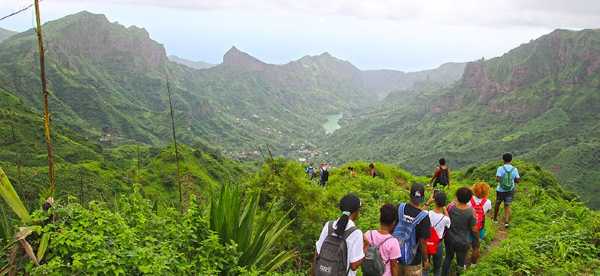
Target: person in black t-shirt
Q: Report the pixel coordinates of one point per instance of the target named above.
(422, 232)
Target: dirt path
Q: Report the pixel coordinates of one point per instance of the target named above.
(501, 234)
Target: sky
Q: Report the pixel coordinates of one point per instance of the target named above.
(408, 35)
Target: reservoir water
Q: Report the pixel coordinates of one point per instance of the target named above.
(332, 123)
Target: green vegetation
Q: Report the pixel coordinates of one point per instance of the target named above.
(277, 214)
(553, 233)
(538, 101)
(117, 210)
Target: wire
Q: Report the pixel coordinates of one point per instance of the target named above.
(17, 12)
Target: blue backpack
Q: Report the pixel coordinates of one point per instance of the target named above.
(405, 233)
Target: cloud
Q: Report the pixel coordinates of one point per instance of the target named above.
(497, 13)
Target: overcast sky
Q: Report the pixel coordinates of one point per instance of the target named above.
(397, 34)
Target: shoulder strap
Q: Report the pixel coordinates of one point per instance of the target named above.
(329, 227)
(442, 218)
(349, 232)
(401, 211)
(420, 217)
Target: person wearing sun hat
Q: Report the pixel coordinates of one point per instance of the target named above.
(344, 227)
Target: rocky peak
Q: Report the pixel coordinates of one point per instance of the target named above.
(93, 37)
(475, 77)
(237, 59)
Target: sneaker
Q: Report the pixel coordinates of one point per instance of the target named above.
(506, 225)
(495, 221)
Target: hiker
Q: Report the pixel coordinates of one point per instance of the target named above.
(440, 221)
(352, 171)
(441, 175)
(332, 257)
(382, 250)
(310, 171)
(457, 240)
(411, 231)
(507, 176)
(481, 206)
(372, 170)
(324, 177)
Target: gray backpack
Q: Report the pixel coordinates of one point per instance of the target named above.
(373, 264)
(333, 257)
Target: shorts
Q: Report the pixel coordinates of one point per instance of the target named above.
(481, 236)
(506, 197)
(411, 270)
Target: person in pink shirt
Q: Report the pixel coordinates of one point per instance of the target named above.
(389, 248)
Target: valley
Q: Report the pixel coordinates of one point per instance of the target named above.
(232, 197)
(538, 101)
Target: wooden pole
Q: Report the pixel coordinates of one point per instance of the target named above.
(45, 93)
(175, 144)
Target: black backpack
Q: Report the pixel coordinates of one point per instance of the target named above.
(333, 257)
(443, 178)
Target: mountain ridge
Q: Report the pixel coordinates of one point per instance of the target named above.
(5, 33)
(110, 80)
(189, 63)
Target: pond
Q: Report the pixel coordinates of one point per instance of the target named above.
(332, 123)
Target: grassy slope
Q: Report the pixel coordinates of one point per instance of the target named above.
(552, 231)
(540, 200)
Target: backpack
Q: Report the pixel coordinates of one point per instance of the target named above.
(373, 264)
(479, 214)
(506, 182)
(443, 178)
(405, 233)
(434, 240)
(333, 259)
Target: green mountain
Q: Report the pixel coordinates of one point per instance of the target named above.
(108, 82)
(192, 64)
(539, 101)
(4, 34)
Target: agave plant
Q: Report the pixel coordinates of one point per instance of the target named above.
(10, 196)
(238, 222)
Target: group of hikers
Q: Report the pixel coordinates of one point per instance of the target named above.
(416, 237)
(324, 172)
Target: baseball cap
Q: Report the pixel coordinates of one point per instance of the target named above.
(417, 192)
(350, 203)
